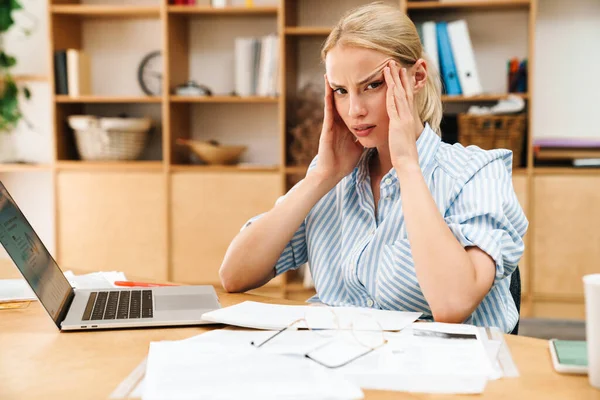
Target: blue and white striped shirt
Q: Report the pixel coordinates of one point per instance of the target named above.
(357, 259)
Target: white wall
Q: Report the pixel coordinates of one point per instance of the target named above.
(33, 191)
(566, 79)
(567, 82)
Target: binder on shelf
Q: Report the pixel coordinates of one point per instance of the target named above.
(430, 43)
(60, 72)
(244, 65)
(257, 66)
(78, 73)
(464, 58)
(448, 68)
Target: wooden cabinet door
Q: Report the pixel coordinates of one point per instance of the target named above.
(113, 221)
(207, 211)
(520, 186)
(567, 233)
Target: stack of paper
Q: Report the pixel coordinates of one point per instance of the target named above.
(423, 357)
(250, 314)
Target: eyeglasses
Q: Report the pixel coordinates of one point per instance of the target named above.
(361, 336)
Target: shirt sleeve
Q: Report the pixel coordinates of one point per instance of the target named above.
(486, 213)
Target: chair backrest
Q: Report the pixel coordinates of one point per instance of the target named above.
(515, 291)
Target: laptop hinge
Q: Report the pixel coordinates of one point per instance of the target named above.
(65, 309)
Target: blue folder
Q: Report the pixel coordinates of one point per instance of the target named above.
(449, 75)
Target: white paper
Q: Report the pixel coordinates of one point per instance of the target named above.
(406, 363)
(256, 315)
(290, 342)
(15, 290)
(95, 280)
(422, 365)
(198, 370)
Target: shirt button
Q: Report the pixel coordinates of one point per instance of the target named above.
(388, 181)
(370, 303)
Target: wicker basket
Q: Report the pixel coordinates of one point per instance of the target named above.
(109, 139)
(494, 132)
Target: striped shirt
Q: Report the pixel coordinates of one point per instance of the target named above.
(358, 259)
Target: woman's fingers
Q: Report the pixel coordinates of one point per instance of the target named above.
(401, 101)
(408, 88)
(328, 105)
(390, 97)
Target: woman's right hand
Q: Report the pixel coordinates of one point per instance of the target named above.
(339, 152)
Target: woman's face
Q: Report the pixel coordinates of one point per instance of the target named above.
(359, 92)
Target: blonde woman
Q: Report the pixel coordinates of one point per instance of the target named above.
(389, 216)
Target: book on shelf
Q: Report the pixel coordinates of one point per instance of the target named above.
(72, 72)
(448, 46)
(257, 66)
(562, 149)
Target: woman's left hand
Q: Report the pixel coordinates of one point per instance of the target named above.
(404, 121)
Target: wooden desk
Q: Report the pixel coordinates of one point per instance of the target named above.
(39, 362)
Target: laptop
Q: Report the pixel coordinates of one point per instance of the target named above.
(78, 309)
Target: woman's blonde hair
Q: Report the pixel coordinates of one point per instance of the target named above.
(387, 29)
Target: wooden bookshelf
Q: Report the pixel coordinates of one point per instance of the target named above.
(30, 78)
(186, 213)
(481, 98)
(224, 168)
(296, 169)
(467, 5)
(23, 167)
(307, 31)
(104, 166)
(65, 99)
(223, 99)
(102, 11)
(212, 11)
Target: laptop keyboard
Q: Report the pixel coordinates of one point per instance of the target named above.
(123, 304)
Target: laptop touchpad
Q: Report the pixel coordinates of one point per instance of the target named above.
(180, 302)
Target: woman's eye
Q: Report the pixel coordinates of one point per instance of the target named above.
(374, 85)
(339, 91)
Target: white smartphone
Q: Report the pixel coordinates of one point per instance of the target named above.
(569, 356)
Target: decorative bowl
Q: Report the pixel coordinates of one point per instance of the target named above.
(214, 153)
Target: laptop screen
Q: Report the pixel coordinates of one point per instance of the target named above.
(32, 258)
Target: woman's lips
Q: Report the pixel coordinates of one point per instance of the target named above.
(363, 130)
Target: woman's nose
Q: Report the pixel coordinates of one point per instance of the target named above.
(357, 107)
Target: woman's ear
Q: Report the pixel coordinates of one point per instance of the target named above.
(419, 71)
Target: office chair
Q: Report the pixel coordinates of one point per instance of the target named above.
(515, 291)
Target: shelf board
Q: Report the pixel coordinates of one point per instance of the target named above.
(296, 169)
(233, 11)
(223, 168)
(565, 171)
(481, 98)
(307, 31)
(30, 78)
(69, 165)
(223, 99)
(107, 99)
(107, 11)
(24, 167)
(466, 4)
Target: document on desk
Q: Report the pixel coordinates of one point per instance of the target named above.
(205, 369)
(407, 363)
(15, 290)
(250, 314)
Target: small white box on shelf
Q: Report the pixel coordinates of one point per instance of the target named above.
(219, 3)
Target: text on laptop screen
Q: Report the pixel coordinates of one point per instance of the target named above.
(31, 256)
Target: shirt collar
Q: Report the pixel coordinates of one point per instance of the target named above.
(427, 145)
